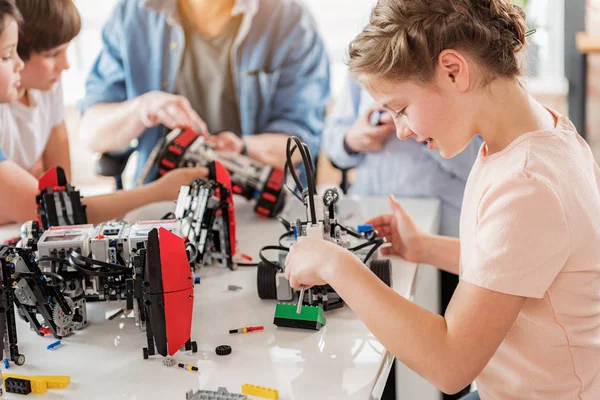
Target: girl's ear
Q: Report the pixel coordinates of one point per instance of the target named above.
(453, 71)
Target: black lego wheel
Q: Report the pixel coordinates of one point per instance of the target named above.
(145, 352)
(265, 281)
(194, 347)
(19, 360)
(383, 270)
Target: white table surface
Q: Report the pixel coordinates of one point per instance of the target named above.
(341, 361)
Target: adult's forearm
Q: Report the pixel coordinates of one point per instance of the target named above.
(111, 126)
(442, 252)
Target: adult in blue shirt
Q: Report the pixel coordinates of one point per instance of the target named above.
(250, 72)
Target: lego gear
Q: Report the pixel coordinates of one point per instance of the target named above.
(223, 350)
(61, 319)
(168, 362)
(331, 196)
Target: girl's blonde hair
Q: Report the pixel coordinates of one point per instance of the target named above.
(405, 37)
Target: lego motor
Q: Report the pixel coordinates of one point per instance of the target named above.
(250, 179)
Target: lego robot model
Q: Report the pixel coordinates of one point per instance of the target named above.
(164, 291)
(250, 179)
(38, 298)
(321, 222)
(206, 213)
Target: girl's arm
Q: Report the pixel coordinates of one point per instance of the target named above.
(448, 351)
(57, 150)
(442, 252)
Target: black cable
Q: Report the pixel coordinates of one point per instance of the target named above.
(91, 261)
(352, 232)
(80, 263)
(268, 262)
(306, 160)
(73, 262)
(283, 236)
(363, 245)
(379, 243)
(289, 165)
(246, 264)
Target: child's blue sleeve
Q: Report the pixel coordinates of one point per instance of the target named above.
(2, 156)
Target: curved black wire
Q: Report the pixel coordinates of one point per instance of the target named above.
(82, 264)
(310, 176)
(268, 262)
(378, 244)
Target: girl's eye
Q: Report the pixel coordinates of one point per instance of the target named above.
(400, 113)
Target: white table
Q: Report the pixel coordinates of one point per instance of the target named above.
(341, 361)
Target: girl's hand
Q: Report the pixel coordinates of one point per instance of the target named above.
(311, 260)
(401, 230)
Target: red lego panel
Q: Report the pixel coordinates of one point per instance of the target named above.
(49, 179)
(178, 318)
(224, 178)
(176, 272)
(186, 138)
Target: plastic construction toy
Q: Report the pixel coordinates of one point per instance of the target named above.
(22, 384)
(221, 394)
(310, 317)
(223, 350)
(53, 345)
(38, 299)
(321, 222)
(247, 329)
(189, 367)
(252, 180)
(165, 294)
(58, 202)
(259, 391)
(206, 212)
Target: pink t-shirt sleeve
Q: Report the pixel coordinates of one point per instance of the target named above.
(522, 238)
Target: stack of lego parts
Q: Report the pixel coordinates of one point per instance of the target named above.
(22, 384)
(310, 317)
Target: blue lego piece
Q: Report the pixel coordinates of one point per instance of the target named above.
(53, 345)
(196, 280)
(295, 232)
(6, 365)
(364, 228)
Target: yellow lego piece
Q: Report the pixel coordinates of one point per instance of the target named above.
(55, 381)
(259, 391)
(41, 383)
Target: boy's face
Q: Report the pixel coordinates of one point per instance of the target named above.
(10, 63)
(43, 69)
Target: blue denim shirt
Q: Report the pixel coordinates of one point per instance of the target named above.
(404, 167)
(279, 65)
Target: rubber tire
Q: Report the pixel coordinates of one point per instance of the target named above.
(19, 360)
(265, 282)
(383, 270)
(194, 347)
(145, 352)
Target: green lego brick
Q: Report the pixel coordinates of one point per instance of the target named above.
(310, 317)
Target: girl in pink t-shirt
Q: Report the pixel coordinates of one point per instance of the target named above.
(525, 318)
